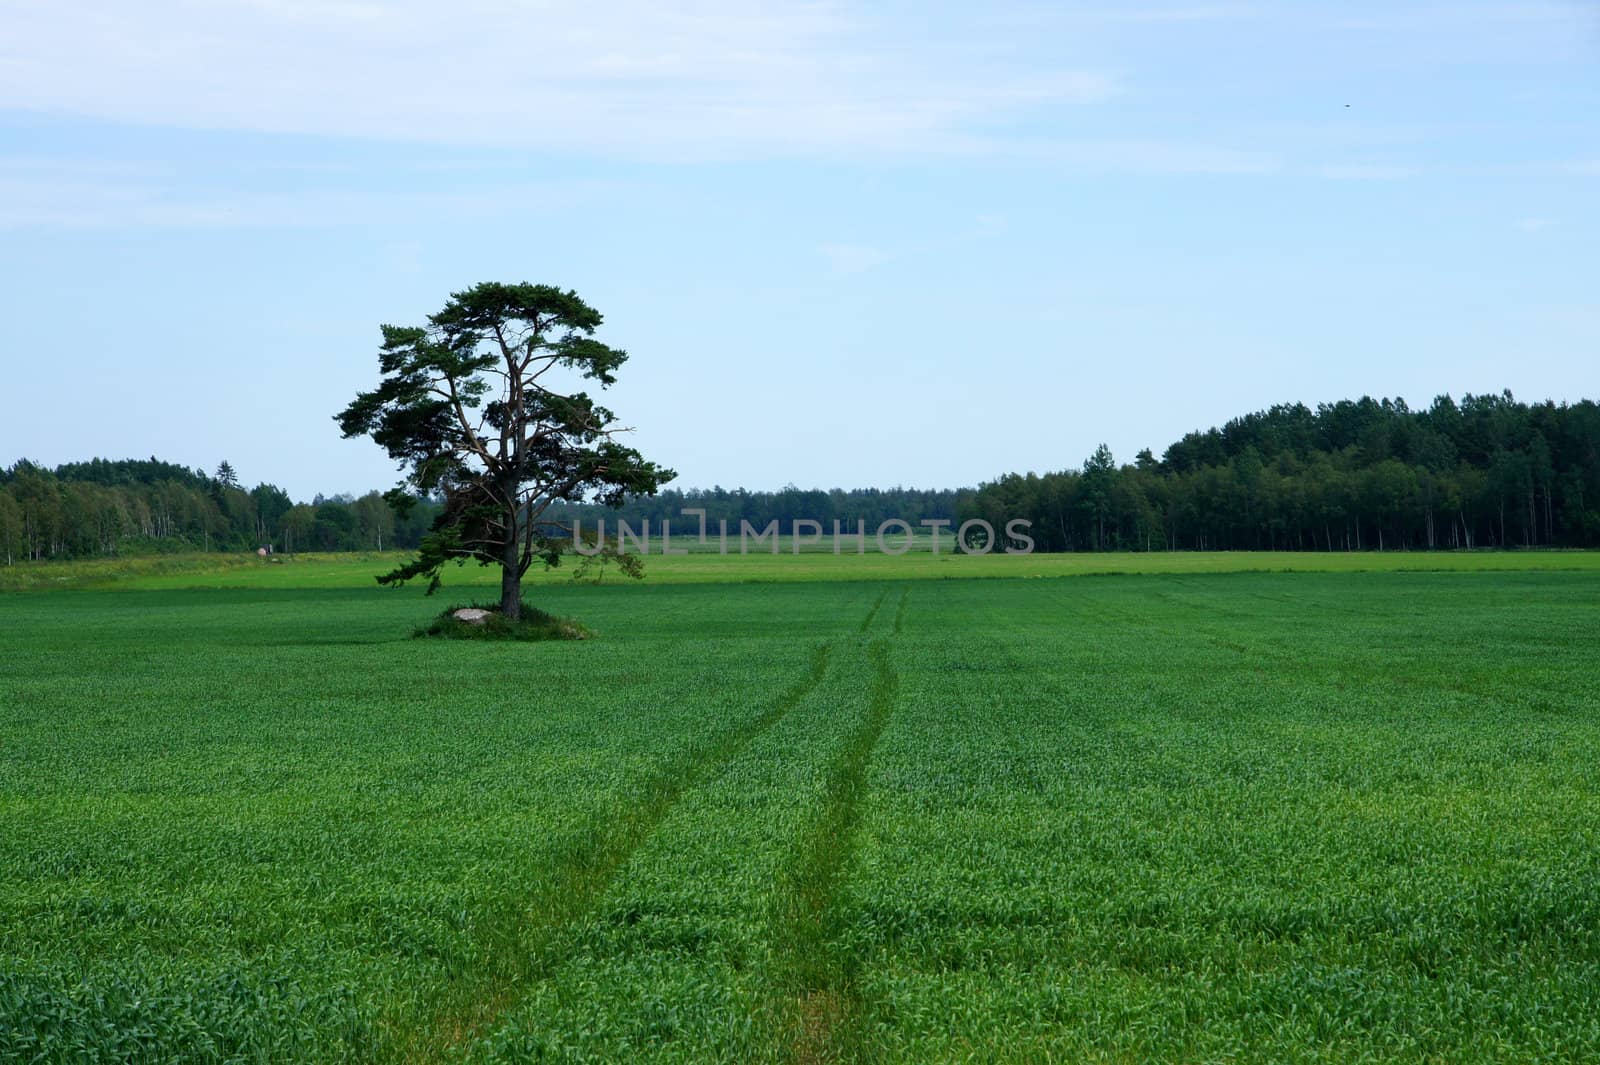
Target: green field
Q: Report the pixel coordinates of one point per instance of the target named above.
(701, 567)
(809, 809)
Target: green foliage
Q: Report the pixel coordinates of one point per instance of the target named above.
(159, 1014)
(530, 626)
(105, 509)
(1353, 475)
(468, 408)
(598, 554)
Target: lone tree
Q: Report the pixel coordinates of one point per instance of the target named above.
(469, 406)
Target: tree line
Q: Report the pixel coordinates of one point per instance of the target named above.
(142, 506)
(1363, 474)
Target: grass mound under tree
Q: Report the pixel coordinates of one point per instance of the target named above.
(534, 624)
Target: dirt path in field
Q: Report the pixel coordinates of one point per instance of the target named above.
(816, 994)
(521, 944)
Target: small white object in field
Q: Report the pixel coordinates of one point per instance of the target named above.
(471, 615)
(261, 551)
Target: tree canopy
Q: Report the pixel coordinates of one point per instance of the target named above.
(484, 407)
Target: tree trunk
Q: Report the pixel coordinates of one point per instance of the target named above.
(510, 580)
(511, 592)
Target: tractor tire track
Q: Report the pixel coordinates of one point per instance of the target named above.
(815, 1001)
(521, 943)
(877, 604)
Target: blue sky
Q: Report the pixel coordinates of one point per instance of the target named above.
(845, 244)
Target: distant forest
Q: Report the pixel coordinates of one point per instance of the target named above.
(1355, 475)
(1349, 476)
(146, 506)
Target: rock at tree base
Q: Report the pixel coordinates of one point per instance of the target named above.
(471, 615)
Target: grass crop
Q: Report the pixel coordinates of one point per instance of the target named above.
(1179, 816)
(707, 567)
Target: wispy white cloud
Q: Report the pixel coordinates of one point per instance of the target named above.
(53, 169)
(1146, 157)
(713, 79)
(852, 258)
(1433, 16)
(1568, 168)
(1106, 15)
(1074, 88)
(1368, 171)
(73, 195)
